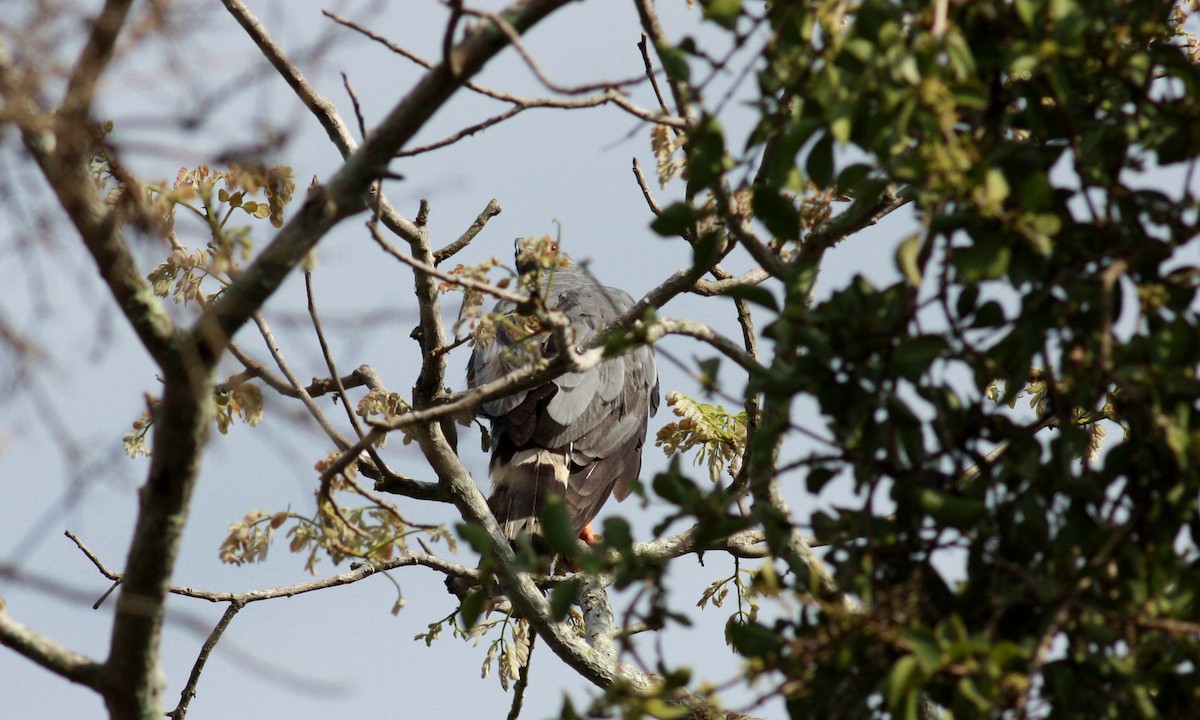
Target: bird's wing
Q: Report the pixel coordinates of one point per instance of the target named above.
(494, 360)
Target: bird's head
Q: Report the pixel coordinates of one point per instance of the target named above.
(539, 253)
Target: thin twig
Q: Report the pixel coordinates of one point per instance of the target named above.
(273, 347)
(514, 39)
(643, 46)
(464, 132)
(356, 573)
(358, 115)
(189, 690)
(646, 193)
(608, 95)
(414, 263)
(492, 210)
(679, 89)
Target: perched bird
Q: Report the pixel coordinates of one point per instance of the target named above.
(579, 436)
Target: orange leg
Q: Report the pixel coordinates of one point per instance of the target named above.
(589, 536)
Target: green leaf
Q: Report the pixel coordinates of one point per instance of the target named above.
(751, 639)
(776, 212)
(989, 315)
(756, 294)
(663, 710)
(820, 161)
(995, 187)
(706, 157)
(472, 607)
(557, 530)
(476, 537)
(707, 249)
(851, 176)
(1029, 10)
(675, 219)
(901, 681)
(723, 12)
(817, 478)
(906, 259)
(949, 510)
(914, 355)
(674, 62)
(982, 261)
(563, 596)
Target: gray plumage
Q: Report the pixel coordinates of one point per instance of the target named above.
(579, 436)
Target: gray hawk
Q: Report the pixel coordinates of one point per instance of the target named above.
(579, 436)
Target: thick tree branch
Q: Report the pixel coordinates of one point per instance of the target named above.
(99, 226)
(180, 430)
(92, 62)
(49, 654)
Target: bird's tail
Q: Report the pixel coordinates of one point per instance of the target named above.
(520, 487)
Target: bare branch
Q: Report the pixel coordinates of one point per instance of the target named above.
(327, 205)
(645, 50)
(514, 38)
(321, 107)
(598, 619)
(465, 132)
(273, 347)
(329, 363)
(858, 216)
(492, 210)
(362, 376)
(646, 193)
(431, 270)
(700, 331)
(355, 574)
(92, 62)
(189, 689)
(720, 287)
(358, 571)
(679, 89)
(609, 92)
(358, 115)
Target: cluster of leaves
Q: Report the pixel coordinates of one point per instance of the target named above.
(507, 653)
(717, 437)
(376, 531)
(134, 441)
(385, 405)
(250, 538)
(196, 190)
(749, 587)
(472, 303)
(243, 401)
